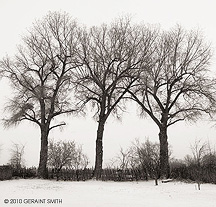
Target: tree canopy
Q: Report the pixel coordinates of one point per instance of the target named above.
(177, 84)
(112, 56)
(40, 75)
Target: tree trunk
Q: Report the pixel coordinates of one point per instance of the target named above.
(164, 156)
(42, 169)
(99, 150)
(156, 181)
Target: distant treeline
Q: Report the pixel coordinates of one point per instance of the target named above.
(179, 171)
(205, 174)
(5, 172)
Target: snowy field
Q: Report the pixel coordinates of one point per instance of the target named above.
(37, 192)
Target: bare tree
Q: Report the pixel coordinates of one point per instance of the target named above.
(40, 76)
(199, 150)
(176, 85)
(80, 160)
(112, 55)
(123, 159)
(66, 154)
(209, 163)
(17, 155)
(60, 154)
(148, 157)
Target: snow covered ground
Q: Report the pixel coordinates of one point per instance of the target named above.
(37, 192)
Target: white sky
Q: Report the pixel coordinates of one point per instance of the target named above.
(16, 16)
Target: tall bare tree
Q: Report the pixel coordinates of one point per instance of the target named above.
(40, 75)
(112, 55)
(176, 86)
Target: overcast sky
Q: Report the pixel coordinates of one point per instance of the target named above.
(16, 16)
